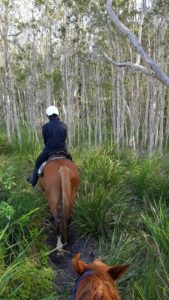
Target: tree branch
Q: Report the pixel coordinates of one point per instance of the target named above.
(134, 67)
(158, 73)
(15, 34)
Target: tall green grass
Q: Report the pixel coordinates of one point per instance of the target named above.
(24, 269)
(123, 202)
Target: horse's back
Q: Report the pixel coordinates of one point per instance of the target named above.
(52, 178)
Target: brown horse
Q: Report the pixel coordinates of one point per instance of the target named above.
(97, 280)
(60, 183)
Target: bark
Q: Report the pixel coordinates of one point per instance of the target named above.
(118, 93)
(6, 98)
(48, 58)
(152, 109)
(113, 99)
(85, 99)
(14, 106)
(134, 67)
(98, 100)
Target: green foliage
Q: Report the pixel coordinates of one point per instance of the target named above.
(145, 177)
(6, 211)
(145, 248)
(161, 8)
(123, 202)
(20, 73)
(57, 83)
(95, 211)
(23, 279)
(39, 2)
(157, 223)
(153, 282)
(101, 191)
(24, 270)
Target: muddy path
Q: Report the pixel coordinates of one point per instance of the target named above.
(65, 275)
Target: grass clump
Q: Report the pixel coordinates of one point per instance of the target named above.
(123, 202)
(25, 279)
(98, 211)
(24, 268)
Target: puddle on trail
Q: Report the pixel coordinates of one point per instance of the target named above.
(65, 275)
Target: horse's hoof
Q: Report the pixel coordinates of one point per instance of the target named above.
(59, 245)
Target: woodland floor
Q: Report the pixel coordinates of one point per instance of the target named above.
(65, 275)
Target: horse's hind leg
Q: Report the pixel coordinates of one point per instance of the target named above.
(58, 226)
(54, 213)
(53, 200)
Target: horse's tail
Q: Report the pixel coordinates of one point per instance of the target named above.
(64, 173)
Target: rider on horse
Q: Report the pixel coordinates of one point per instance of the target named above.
(54, 135)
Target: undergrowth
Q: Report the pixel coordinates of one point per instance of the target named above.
(24, 267)
(122, 201)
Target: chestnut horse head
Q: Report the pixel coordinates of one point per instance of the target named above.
(96, 280)
(60, 183)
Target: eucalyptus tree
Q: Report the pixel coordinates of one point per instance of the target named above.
(28, 67)
(155, 131)
(155, 70)
(8, 96)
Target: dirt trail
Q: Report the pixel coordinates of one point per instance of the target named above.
(65, 275)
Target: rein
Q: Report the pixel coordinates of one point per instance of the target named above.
(77, 282)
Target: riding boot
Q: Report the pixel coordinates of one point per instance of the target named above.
(34, 179)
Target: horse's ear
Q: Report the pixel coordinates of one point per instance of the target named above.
(78, 264)
(117, 271)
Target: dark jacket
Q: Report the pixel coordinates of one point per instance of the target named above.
(54, 134)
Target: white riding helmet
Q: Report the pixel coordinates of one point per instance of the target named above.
(52, 110)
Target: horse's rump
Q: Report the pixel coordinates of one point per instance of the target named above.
(60, 183)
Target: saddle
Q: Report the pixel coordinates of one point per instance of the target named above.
(52, 156)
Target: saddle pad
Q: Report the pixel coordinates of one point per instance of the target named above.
(41, 168)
